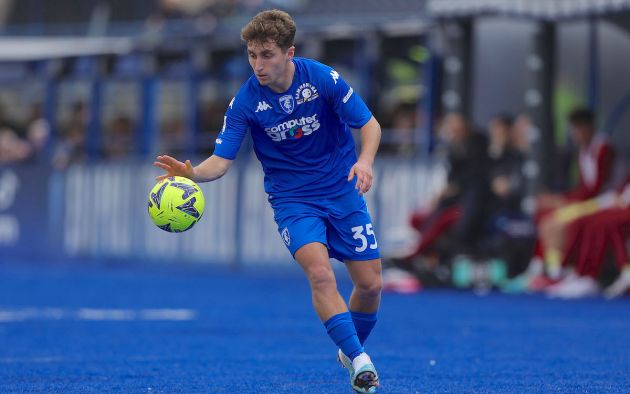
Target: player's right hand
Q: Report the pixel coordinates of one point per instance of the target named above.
(173, 167)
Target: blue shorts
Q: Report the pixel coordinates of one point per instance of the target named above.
(341, 223)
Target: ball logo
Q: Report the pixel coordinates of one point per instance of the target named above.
(286, 103)
(189, 208)
(187, 190)
(157, 197)
(293, 129)
(286, 237)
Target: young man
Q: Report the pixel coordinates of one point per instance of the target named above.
(597, 173)
(299, 113)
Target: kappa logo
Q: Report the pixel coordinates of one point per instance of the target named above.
(305, 93)
(286, 103)
(335, 75)
(286, 237)
(262, 106)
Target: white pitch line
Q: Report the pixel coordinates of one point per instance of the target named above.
(29, 360)
(168, 314)
(96, 314)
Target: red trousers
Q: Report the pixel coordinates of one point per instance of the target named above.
(589, 238)
(433, 225)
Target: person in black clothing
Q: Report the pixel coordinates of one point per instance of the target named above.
(450, 226)
(506, 162)
(509, 232)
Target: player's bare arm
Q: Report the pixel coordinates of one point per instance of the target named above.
(214, 167)
(370, 139)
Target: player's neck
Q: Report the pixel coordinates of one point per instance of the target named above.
(284, 83)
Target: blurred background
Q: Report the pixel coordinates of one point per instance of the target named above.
(92, 90)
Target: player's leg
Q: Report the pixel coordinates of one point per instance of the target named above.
(619, 232)
(572, 249)
(351, 239)
(332, 310)
(303, 230)
(594, 245)
(366, 294)
(552, 236)
(591, 249)
(535, 272)
(314, 260)
(364, 300)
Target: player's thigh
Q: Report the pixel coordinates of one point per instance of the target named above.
(351, 233)
(314, 260)
(299, 224)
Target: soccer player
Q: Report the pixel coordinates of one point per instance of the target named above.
(299, 113)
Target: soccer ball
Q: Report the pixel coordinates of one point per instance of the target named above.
(176, 204)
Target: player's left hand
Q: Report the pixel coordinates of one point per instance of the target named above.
(363, 171)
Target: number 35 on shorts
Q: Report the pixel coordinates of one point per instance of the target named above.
(362, 233)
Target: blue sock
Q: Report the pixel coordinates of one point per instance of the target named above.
(363, 323)
(341, 329)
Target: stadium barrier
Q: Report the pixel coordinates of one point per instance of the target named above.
(99, 211)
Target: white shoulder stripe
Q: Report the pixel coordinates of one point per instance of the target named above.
(348, 95)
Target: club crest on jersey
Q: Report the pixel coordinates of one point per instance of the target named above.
(286, 103)
(305, 93)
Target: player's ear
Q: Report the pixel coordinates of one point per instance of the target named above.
(291, 52)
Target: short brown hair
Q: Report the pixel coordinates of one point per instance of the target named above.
(271, 25)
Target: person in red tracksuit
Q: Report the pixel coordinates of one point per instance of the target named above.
(596, 162)
(588, 240)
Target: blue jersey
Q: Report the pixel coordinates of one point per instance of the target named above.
(301, 136)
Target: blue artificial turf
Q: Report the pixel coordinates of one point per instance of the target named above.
(256, 332)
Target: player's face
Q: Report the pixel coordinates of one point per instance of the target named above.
(270, 64)
(522, 133)
(499, 132)
(581, 134)
(454, 129)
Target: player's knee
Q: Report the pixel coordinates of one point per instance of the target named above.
(370, 289)
(321, 278)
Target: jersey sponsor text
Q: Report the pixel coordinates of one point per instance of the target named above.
(294, 128)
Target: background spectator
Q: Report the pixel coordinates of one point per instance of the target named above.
(71, 147)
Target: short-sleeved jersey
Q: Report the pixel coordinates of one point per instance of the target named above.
(301, 136)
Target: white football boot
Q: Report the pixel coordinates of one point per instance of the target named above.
(364, 378)
(620, 286)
